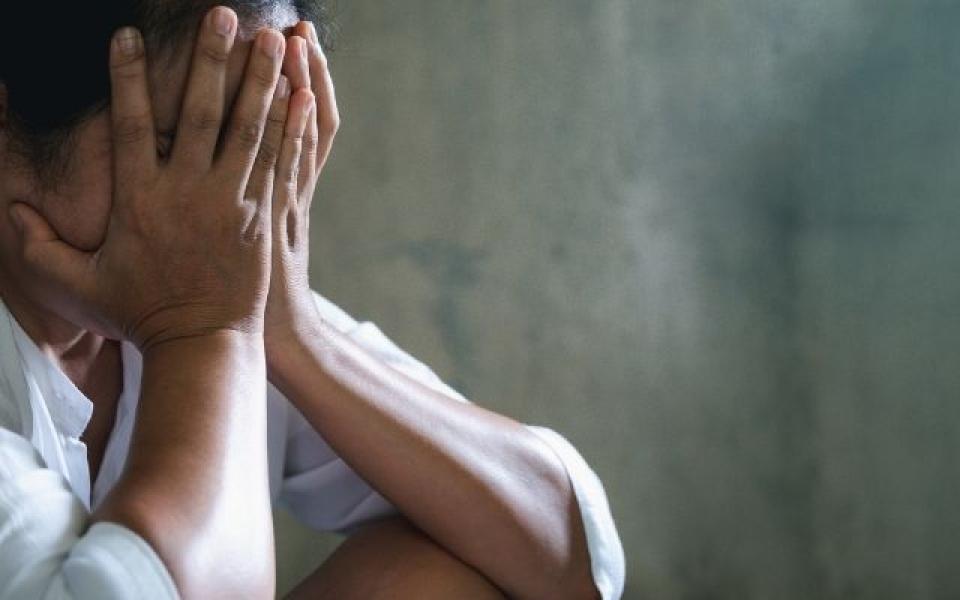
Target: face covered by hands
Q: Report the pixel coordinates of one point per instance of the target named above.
(290, 307)
(208, 238)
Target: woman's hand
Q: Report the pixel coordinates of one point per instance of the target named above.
(290, 308)
(187, 249)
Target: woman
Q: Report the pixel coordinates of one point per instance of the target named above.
(167, 372)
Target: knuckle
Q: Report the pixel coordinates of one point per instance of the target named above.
(331, 126)
(295, 138)
(310, 143)
(128, 71)
(247, 131)
(131, 128)
(267, 155)
(202, 119)
(263, 78)
(322, 61)
(213, 53)
(120, 64)
(287, 176)
(276, 120)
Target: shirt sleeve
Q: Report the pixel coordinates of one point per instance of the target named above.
(324, 492)
(44, 551)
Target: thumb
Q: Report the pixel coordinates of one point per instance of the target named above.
(31, 225)
(43, 249)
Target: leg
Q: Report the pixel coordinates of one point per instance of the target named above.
(390, 559)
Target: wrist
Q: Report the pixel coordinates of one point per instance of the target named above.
(163, 327)
(289, 327)
(296, 351)
(221, 367)
(220, 341)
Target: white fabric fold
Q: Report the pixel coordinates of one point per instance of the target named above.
(46, 492)
(44, 552)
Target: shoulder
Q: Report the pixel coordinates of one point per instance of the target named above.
(17, 455)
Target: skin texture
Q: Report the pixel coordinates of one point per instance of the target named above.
(389, 559)
(522, 529)
(183, 272)
(79, 210)
(517, 527)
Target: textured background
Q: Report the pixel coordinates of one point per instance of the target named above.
(712, 242)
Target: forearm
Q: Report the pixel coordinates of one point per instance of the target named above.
(195, 483)
(477, 482)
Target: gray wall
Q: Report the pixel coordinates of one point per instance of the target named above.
(713, 242)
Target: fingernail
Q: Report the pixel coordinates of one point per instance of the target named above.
(222, 21)
(283, 87)
(128, 41)
(271, 45)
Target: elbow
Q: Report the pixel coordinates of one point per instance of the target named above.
(573, 582)
(571, 575)
(566, 573)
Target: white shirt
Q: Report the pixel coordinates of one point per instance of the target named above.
(46, 548)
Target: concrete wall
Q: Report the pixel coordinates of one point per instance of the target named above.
(713, 242)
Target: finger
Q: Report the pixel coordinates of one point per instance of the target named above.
(285, 186)
(295, 62)
(302, 29)
(328, 116)
(261, 179)
(308, 157)
(134, 140)
(202, 114)
(44, 251)
(249, 114)
(308, 161)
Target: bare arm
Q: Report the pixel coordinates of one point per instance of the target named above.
(478, 483)
(184, 273)
(195, 482)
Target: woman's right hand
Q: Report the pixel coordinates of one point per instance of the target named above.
(187, 249)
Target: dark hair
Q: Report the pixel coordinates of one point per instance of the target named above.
(53, 59)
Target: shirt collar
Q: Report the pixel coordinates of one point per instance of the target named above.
(69, 408)
(14, 414)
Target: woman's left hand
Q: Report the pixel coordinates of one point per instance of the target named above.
(290, 306)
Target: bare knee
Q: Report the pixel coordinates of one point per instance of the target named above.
(391, 559)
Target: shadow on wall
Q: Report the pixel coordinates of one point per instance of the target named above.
(826, 264)
(711, 242)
